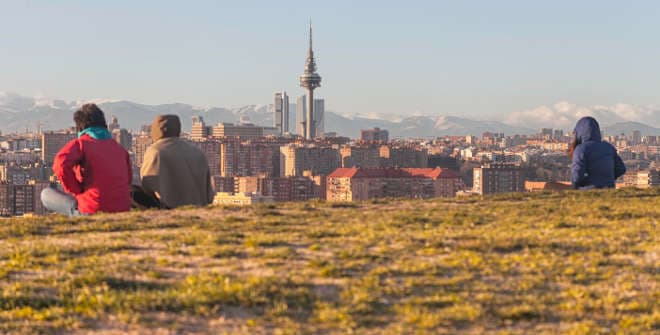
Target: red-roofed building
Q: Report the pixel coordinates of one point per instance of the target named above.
(351, 184)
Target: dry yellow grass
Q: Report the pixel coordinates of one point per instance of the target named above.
(573, 263)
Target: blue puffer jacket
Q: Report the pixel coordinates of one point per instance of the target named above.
(595, 163)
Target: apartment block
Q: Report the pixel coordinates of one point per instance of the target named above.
(498, 178)
(352, 184)
(280, 188)
(642, 178)
(140, 145)
(361, 156)
(199, 131)
(16, 200)
(52, 142)
(249, 158)
(242, 131)
(211, 149)
(404, 157)
(240, 199)
(375, 135)
(319, 160)
(223, 184)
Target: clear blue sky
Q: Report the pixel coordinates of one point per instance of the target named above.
(476, 58)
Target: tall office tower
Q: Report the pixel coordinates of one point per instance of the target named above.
(310, 80)
(281, 112)
(319, 117)
(199, 129)
(558, 134)
(300, 116)
(51, 143)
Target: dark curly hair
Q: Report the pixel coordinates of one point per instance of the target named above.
(89, 115)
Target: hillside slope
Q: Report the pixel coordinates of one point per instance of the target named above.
(573, 263)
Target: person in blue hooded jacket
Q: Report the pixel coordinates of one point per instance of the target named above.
(595, 163)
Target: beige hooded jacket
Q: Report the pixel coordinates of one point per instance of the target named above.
(175, 171)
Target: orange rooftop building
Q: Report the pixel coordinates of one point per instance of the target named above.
(354, 184)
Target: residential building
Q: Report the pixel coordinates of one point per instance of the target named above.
(402, 156)
(498, 178)
(18, 174)
(199, 131)
(558, 134)
(361, 156)
(280, 188)
(52, 142)
(295, 159)
(249, 158)
(352, 184)
(242, 131)
(211, 149)
(647, 178)
(223, 184)
(140, 144)
(123, 137)
(38, 207)
(376, 135)
(16, 200)
(546, 133)
(240, 199)
(539, 186)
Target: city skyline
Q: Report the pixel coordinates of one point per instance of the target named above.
(481, 61)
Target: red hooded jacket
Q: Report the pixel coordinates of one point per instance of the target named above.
(97, 172)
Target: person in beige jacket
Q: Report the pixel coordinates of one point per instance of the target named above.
(174, 171)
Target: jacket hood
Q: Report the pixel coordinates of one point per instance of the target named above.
(587, 129)
(165, 126)
(97, 133)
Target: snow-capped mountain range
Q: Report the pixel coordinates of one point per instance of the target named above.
(19, 112)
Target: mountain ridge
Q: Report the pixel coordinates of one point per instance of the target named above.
(20, 112)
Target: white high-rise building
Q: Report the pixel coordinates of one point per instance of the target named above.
(301, 116)
(281, 112)
(301, 112)
(319, 117)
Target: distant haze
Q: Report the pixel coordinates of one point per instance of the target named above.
(21, 112)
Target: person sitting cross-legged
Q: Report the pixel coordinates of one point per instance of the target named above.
(94, 170)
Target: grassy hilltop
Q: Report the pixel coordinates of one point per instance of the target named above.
(571, 263)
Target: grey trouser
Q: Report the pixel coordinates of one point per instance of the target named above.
(59, 202)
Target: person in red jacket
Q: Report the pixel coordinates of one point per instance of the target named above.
(94, 170)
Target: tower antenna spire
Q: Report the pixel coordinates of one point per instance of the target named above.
(310, 33)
